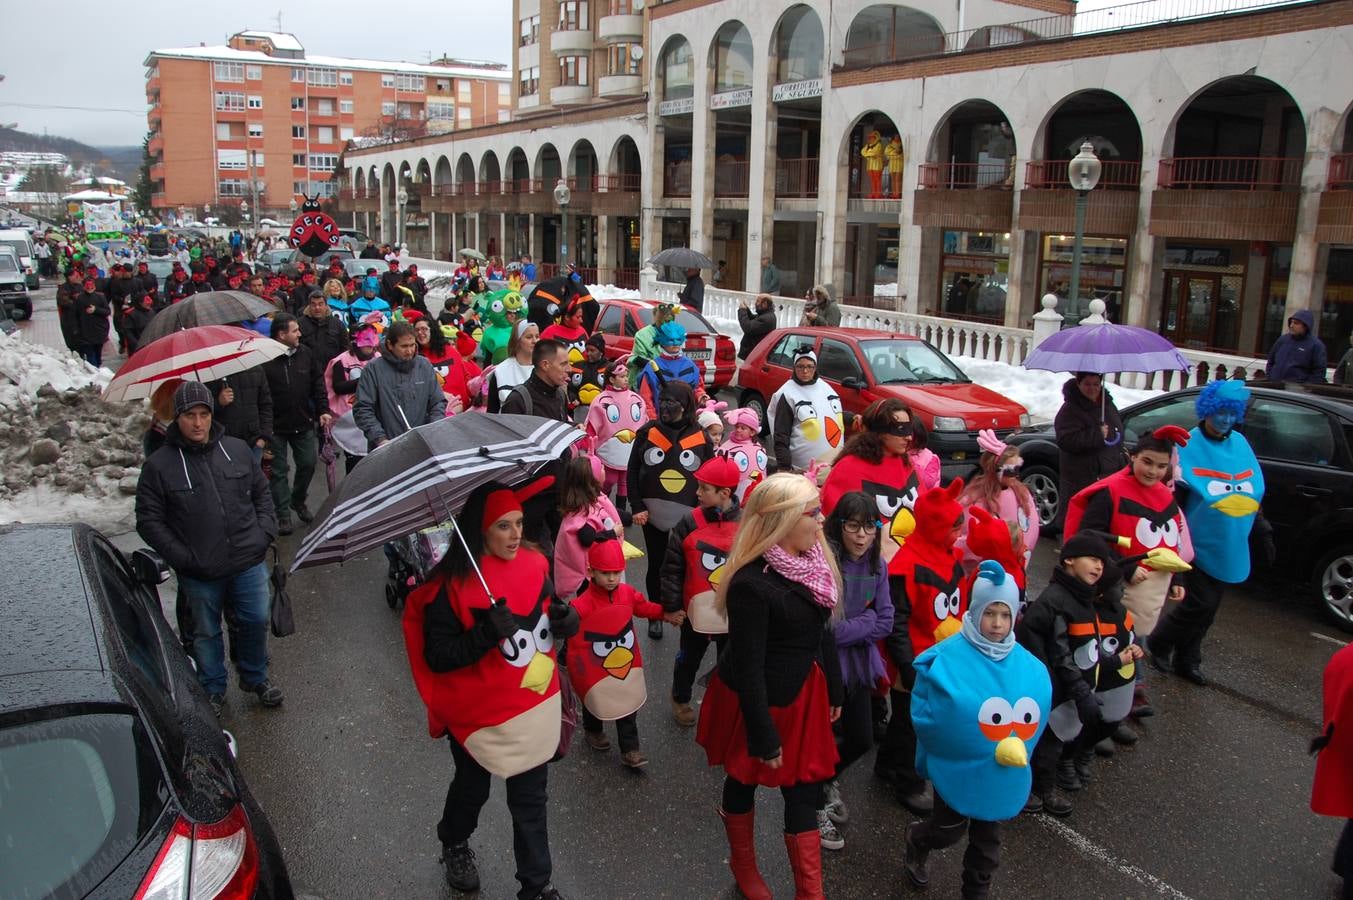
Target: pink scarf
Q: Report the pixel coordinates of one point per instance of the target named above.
(808, 569)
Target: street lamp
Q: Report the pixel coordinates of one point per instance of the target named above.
(401, 200)
(244, 212)
(561, 196)
(1083, 173)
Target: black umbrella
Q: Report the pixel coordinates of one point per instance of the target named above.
(423, 478)
(682, 258)
(209, 308)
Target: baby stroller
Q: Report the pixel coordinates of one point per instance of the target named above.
(412, 559)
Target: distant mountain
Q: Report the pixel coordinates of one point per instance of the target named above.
(119, 162)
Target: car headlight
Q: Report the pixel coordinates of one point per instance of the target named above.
(1025, 420)
(950, 423)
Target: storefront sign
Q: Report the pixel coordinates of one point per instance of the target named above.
(796, 90)
(977, 265)
(731, 99)
(1090, 275)
(682, 107)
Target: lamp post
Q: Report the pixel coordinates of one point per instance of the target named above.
(561, 196)
(401, 200)
(244, 212)
(1083, 172)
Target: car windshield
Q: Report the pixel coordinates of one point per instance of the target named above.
(78, 793)
(692, 322)
(8, 264)
(20, 248)
(909, 362)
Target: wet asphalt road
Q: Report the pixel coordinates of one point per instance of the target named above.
(1211, 803)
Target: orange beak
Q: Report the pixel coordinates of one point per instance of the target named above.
(833, 432)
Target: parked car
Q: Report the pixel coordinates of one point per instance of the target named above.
(322, 260)
(274, 260)
(618, 321)
(161, 267)
(117, 779)
(865, 365)
(1303, 436)
(20, 241)
(13, 286)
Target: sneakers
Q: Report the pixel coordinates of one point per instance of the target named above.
(303, 513)
(826, 831)
(217, 702)
(285, 526)
(834, 805)
(597, 740)
(461, 872)
(914, 862)
(269, 695)
(655, 629)
(1068, 779)
(633, 759)
(684, 713)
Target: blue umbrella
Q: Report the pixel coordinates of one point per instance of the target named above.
(1106, 348)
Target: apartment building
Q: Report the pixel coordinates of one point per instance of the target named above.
(575, 52)
(260, 122)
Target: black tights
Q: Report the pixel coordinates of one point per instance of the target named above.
(801, 802)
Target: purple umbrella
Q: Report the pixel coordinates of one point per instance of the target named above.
(1106, 348)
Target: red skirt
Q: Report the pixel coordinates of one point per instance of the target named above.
(807, 747)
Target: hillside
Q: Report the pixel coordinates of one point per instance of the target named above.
(119, 162)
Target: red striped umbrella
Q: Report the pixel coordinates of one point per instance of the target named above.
(204, 353)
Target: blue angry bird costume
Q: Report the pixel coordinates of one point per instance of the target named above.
(979, 707)
(667, 368)
(1225, 484)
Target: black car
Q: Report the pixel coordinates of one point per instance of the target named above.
(115, 777)
(1303, 436)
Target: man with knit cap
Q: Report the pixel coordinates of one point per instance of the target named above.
(203, 504)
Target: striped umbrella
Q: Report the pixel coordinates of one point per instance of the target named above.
(423, 478)
(204, 353)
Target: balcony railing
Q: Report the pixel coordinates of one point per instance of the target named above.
(626, 278)
(731, 179)
(1230, 173)
(519, 186)
(626, 184)
(1341, 172)
(796, 178)
(676, 181)
(1115, 174)
(967, 176)
(489, 187)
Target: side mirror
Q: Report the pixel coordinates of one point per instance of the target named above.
(855, 384)
(148, 568)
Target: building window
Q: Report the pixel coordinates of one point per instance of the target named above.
(530, 82)
(222, 131)
(256, 129)
(573, 70)
(253, 73)
(441, 109)
(415, 83)
(504, 115)
(465, 114)
(504, 93)
(676, 68)
(228, 71)
(233, 187)
(298, 75)
(231, 159)
(298, 187)
(388, 79)
(345, 106)
(345, 78)
(345, 133)
(229, 101)
(324, 107)
(387, 108)
(530, 31)
(323, 162)
(573, 16)
(324, 134)
(255, 101)
(298, 160)
(623, 61)
(298, 132)
(322, 77)
(324, 188)
(443, 85)
(298, 103)
(258, 159)
(408, 111)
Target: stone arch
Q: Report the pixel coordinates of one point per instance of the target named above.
(547, 165)
(1240, 93)
(850, 162)
(465, 173)
(516, 166)
(582, 162)
(489, 169)
(886, 32)
(731, 57)
(792, 41)
(675, 71)
(1105, 120)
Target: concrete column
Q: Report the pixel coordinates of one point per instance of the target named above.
(502, 236)
(702, 165)
(384, 235)
(535, 238)
(909, 251)
(761, 174)
(1301, 292)
(1019, 257)
(605, 255)
(1142, 247)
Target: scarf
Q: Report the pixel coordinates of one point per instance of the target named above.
(994, 650)
(808, 569)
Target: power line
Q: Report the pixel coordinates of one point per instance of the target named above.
(133, 112)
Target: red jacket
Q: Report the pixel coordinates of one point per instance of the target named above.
(605, 665)
(1332, 793)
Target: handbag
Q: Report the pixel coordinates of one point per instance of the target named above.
(568, 717)
(280, 616)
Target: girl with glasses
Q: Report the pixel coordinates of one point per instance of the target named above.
(998, 490)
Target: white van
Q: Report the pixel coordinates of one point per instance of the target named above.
(18, 240)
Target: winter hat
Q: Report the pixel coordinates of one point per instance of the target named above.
(748, 417)
(598, 341)
(670, 334)
(937, 511)
(1084, 544)
(707, 418)
(719, 471)
(1228, 394)
(190, 394)
(991, 585)
(371, 283)
(606, 556)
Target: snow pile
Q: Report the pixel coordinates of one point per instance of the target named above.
(611, 292)
(886, 290)
(65, 454)
(1039, 392)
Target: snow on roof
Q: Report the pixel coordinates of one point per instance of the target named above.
(100, 180)
(335, 62)
(280, 40)
(92, 195)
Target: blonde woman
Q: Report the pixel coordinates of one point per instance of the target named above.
(767, 716)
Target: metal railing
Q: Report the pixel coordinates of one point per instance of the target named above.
(967, 176)
(731, 178)
(627, 183)
(796, 178)
(488, 187)
(1115, 174)
(1233, 173)
(1341, 172)
(1124, 17)
(626, 278)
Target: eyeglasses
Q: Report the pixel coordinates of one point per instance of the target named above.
(814, 513)
(860, 527)
(1009, 471)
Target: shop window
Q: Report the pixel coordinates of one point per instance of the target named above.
(975, 275)
(1103, 270)
(677, 71)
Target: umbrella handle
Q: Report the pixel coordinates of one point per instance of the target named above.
(474, 563)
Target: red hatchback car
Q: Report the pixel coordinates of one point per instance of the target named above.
(864, 366)
(618, 321)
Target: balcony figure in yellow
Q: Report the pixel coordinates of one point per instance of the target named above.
(895, 158)
(872, 152)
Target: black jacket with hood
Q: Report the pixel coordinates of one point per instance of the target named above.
(296, 383)
(1084, 458)
(205, 508)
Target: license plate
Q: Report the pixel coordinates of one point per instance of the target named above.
(699, 355)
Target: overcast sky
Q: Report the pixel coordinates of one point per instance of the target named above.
(79, 53)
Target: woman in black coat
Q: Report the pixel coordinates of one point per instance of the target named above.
(92, 321)
(1089, 436)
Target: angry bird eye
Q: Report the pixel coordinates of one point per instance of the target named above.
(1245, 487)
(835, 402)
(761, 459)
(1217, 488)
(740, 460)
(996, 718)
(602, 649)
(1169, 534)
(612, 412)
(1026, 718)
(1109, 645)
(636, 412)
(888, 506)
(909, 498)
(1086, 655)
(518, 649)
(544, 638)
(496, 306)
(803, 412)
(1149, 535)
(711, 561)
(626, 639)
(942, 606)
(689, 459)
(954, 601)
(654, 456)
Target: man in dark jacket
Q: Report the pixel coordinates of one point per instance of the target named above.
(322, 331)
(244, 408)
(146, 282)
(390, 282)
(1298, 355)
(121, 295)
(1089, 436)
(202, 503)
(398, 390)
(91, 321)
(296, 383)
(300, 294)
(543, 393)
(755, 326)
(370, 251)
(693, 294)
(66, 295)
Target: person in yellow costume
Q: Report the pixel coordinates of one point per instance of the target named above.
(895, 157)
(872, 152)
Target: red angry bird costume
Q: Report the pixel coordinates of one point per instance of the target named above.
(893, 484)
(505, 708)
(989, 537)
(705, 550)
(605, 665)
(1332, 793)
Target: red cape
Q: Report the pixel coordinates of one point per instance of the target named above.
(1332, 793)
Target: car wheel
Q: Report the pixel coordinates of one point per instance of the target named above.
(1042, 483)
(1334, 581)
(27, 313)
(754, 401)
